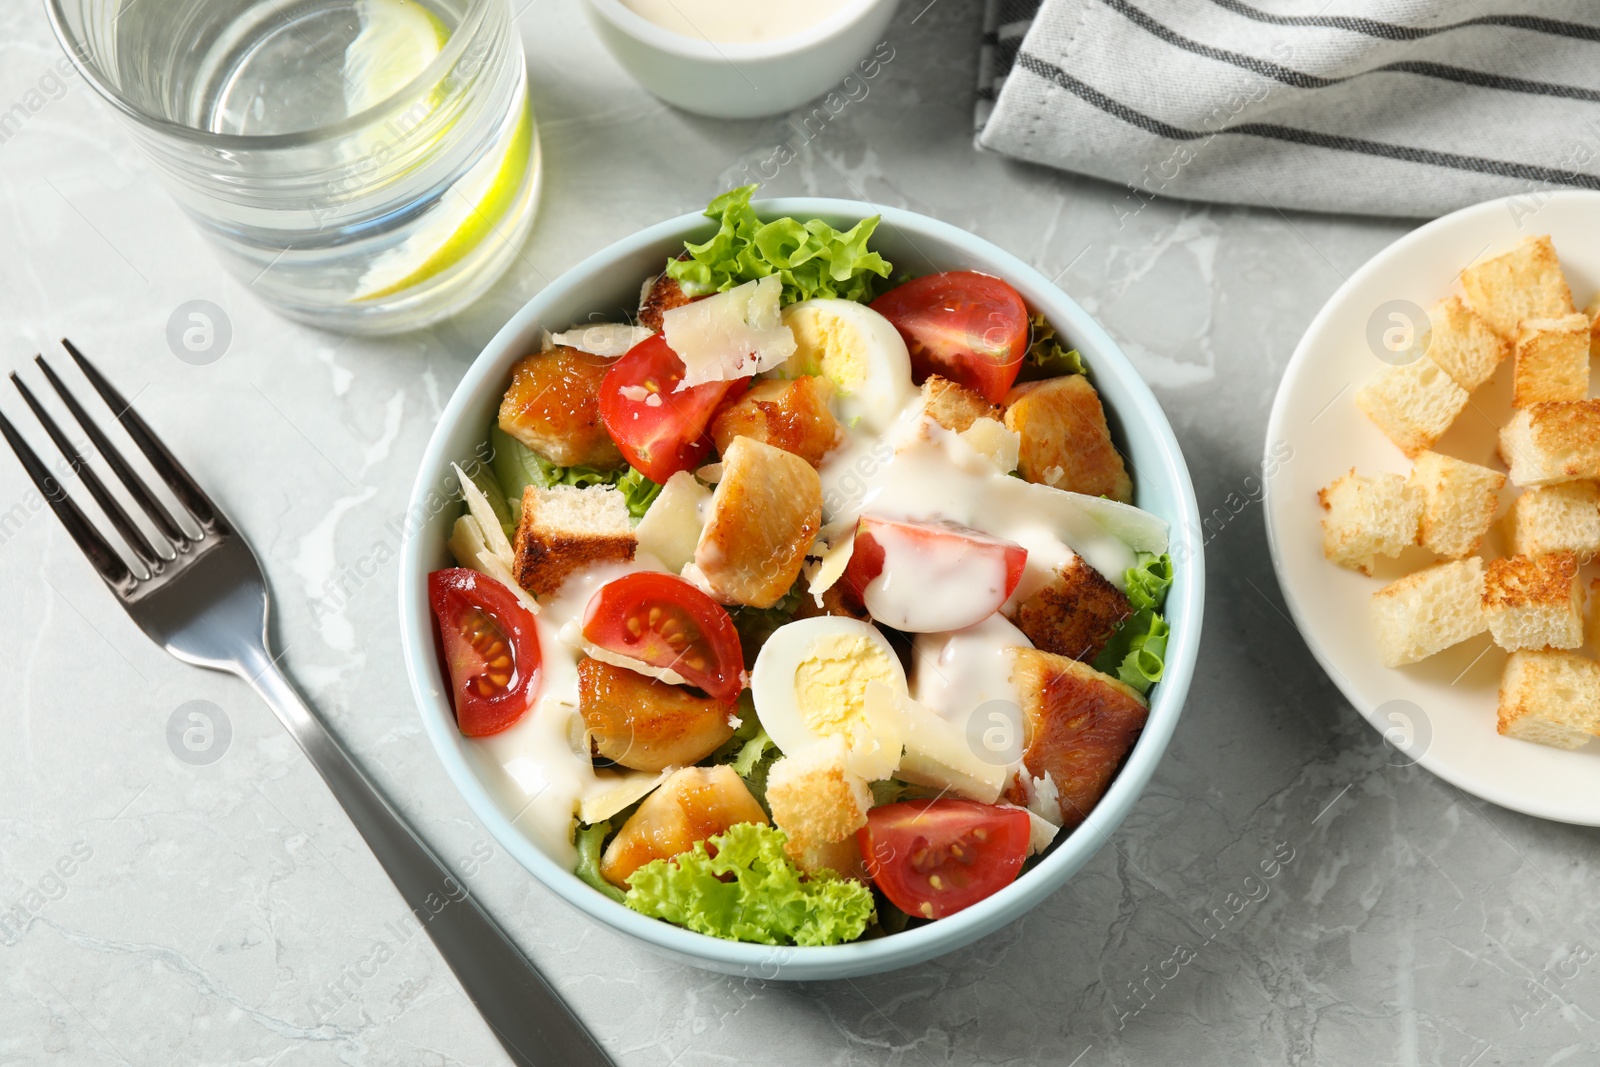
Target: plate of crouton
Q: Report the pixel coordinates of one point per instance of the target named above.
(1436, 522)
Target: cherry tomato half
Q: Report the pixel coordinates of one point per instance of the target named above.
(930, 577)
(491, 649)
(932, 858)
(660, 431)
(971, 328)
(666, 621)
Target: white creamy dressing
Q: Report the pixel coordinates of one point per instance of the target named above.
(543, 776)
(735, 21)
(960, 674)
(920, 470)
(914, 566)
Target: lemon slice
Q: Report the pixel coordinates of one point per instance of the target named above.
(397, 41)
(465, 215)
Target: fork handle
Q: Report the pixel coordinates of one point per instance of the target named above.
(527, 1015)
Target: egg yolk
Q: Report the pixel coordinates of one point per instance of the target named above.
(830, 685)
(829, 346)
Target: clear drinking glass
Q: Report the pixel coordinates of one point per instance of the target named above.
(364, 165)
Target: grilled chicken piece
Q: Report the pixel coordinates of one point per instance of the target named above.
(764, 517)
(644, 724)
(1078, 724)
(553, 407)
(663, 295)
(1076, 614)
(791, 415)
(1065, 440)
(691, 805)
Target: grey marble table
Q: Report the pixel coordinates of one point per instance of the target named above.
(159, 912)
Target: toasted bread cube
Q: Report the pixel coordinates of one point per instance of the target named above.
(1368, 517)
(1552, 360)
(694, 803)
(792, 415)
(1524, 283)
(819, 805)
(1592, 310)
(1459, 500)
(1550, 698)
(1078, 726)
(1429, 611)
(1534, 601)
(765, 514)
(1463, 344)
(1553, 442)
(566, 528)
(953, 405)
(1065, 440)
(1076, 614)
(553, 407)
(1556, 518)
(660, 296)
(1413, 404)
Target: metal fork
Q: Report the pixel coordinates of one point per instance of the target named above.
(204, 599)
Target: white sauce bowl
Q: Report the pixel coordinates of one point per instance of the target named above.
(738, 81)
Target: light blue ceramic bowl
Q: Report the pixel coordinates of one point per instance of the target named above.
(608, 283)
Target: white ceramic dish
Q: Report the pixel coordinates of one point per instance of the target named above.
(1441, 712)
(737, 81)
(608, 283)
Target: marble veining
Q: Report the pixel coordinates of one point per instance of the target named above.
(1286, 892)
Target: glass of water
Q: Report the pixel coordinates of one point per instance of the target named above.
(368, 166)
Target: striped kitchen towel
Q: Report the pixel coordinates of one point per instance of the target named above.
(1385, 107)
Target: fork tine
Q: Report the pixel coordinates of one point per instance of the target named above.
(130, 478)
(105, 560)
(91, 481)
(166, 465)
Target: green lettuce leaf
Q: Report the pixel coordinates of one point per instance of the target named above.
(1045, 357)
(516, 466)
(810, 258)
(590, 841)
(1137, 652)
(750, 752)
(639, 492)
(751, 891)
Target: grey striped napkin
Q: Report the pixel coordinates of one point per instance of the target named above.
(1385, 107)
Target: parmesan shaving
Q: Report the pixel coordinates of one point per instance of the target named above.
(729, 335)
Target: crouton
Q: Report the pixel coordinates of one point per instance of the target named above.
(1556, 518)
(1065, 440)
(1078, 725)
(1552, 360)
(765, 514)
(646, 725)
(1553, 442)
(1459, 500)
(1524, 283)
(1429, 611)
(564, 529)
(1534, 601)
(1076, 614)
(694, 803)
(1592, 310)
(1550, 698)
(1368, 517)
(819, 805)
(792, 415)
(1463, 344)
(660, 296)
(1413, 404)
(553, 407)
(953, 405)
